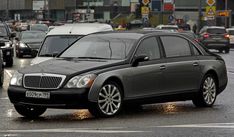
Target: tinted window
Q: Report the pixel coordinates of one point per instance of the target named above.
(99, 47)
(56, 44)
(216, 31)
(195, 50)
(149, 47)
(175, 46)
(3, 31)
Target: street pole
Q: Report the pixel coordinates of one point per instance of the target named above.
(226, 8)
(199, 16)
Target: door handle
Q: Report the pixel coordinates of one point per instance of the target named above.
(195, 64)
(162, 67)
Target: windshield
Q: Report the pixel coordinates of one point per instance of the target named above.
(216, 31)
(32, 35)
(3, 31)
(39, 27)
(100, 47)
(56, 44)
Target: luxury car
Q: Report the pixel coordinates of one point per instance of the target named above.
(61, 37)
(6, 37)
(29, 43)
(214, 37)
(103, 72)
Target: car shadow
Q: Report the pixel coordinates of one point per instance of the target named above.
(154, 110)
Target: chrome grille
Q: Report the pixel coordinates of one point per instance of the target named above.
(43, 81)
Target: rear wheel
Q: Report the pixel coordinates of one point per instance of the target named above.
(208, 92)
(109, 101)
(29, 111)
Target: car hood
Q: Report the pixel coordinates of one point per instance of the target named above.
(69, 66)
(38, 60)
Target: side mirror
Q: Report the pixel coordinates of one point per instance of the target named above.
(13, 35)
(55, 54)
(138, 59)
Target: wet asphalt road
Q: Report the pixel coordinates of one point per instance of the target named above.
(177, 119)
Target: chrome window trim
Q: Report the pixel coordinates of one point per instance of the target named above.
(44, 74)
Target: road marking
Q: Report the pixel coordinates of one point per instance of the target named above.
(71, 131)
(6, 98)
(208, 125)
(8, 73)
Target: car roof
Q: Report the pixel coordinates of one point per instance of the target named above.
(175, 26)
(215, 27)
(80, 29)
(135, 34)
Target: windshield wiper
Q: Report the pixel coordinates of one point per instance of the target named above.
(92, 58)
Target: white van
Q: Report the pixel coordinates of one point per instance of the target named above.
(60, 38)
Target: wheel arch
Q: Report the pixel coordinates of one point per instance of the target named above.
(99, 82)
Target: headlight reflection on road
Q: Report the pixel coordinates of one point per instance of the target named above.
(169, 108)
(82, 114)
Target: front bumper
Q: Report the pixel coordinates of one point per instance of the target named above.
(61, 98)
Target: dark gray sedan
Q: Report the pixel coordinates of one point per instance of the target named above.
(103, 72)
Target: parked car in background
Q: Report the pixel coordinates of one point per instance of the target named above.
(29, 43)
(173, 28)
(61, 37)
(6, 37)
(103, 72)
(215, 37)
(39, 27)
(230, 31)
(1, 69)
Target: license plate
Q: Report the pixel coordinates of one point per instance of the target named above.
(217, 38)
(8, 53)
(36, 94)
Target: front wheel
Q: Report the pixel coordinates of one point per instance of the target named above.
(29, 111)
(109, 102)
(208, 92)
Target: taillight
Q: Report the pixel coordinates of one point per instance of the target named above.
(227, 36)
(206, 35)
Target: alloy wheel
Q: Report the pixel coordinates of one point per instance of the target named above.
(209, 90)
(110, 99)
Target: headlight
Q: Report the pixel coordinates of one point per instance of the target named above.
(22, 45)
(85, 81)
(16, 79)
(7, 45)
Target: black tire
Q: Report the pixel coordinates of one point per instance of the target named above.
(208, 100)
(9, 63)
(29, 111)
(95, 108)
(2, 78)
(227, 51)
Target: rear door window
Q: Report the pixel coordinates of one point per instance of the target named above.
(175, 46)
